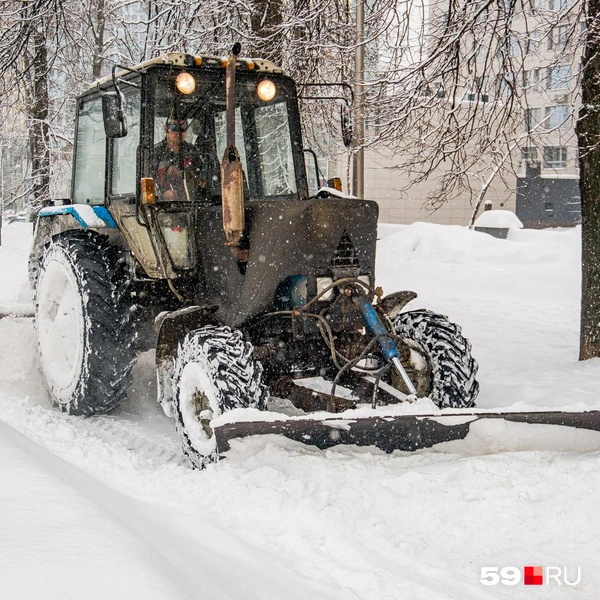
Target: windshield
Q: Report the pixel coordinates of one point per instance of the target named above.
(190, 139)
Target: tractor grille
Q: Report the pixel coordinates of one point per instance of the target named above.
(345, 262)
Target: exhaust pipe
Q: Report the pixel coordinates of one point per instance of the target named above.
(232, 176)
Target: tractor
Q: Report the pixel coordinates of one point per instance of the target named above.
(256, 289)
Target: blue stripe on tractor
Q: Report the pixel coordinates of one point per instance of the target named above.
(70, 209)
(102, 213)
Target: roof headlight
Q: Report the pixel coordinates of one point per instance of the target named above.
(185, 83)
(266, 90)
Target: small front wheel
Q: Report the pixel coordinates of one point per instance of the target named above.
(214, 372)
(437, 359)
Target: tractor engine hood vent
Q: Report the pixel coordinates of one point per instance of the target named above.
(345, 262)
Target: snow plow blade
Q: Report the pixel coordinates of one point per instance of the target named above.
(397, 432)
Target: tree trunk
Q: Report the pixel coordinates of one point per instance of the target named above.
(588, 134)
(98, 33)
(39, 139)
(266, 19)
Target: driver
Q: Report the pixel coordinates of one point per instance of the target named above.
(174, 157)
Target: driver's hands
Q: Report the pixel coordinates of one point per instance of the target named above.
(174, 173)
(174, 177)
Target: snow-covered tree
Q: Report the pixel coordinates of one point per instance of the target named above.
(458, 90)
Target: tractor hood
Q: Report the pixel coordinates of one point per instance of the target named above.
(284, 239)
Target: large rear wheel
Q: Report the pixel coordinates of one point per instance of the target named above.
(214, 372)
(83, 324)
(437, 358)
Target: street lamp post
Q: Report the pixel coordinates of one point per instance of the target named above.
(358, 158)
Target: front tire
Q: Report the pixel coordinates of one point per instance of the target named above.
(214, 372)
(83, 324)
(437, 358)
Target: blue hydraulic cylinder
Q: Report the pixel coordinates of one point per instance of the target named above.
(377, 328)
(386, 343)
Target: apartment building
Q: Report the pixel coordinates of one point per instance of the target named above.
(540, 66)
(548, 176)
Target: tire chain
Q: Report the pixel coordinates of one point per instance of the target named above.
(236, 374)
(454, 369)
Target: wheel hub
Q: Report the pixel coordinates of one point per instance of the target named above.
(204, 413)
(60, 323)
(417, 368)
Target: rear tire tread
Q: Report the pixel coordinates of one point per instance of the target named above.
(109, 352)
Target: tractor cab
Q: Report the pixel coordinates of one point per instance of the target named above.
(161, 130)
(186, 95)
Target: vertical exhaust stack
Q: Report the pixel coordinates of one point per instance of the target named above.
(232, 176)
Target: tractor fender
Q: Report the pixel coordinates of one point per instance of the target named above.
(392, 304)
(53, 220)
(172, 326)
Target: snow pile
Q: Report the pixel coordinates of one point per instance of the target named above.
(16, 297)
(517, 300)
(107, 507)
(499, 218)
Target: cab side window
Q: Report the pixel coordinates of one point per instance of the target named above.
(124, 157)
(90, 153)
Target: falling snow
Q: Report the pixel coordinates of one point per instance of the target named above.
(107, 507)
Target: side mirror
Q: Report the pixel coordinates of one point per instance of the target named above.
(346, 122)
(113, 114)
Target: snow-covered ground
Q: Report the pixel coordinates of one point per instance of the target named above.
(107, 507)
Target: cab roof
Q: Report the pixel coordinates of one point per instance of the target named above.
(180, 59)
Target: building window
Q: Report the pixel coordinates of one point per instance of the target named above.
(529, 154)
(560, 4)
(557, 117)
(529, 158)
(480, 94)
(557, 40)
(559, 77)
(481, 83)
(532, 43)
(506, 84)
(532, 118)
(555, 157)
(509, 47)
(512, 46)
(531, 80)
